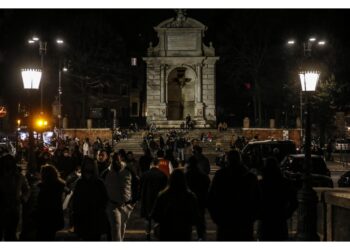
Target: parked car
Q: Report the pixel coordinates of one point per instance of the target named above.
(292, 169)
(255, 151)
(342, 145)
(344, 180)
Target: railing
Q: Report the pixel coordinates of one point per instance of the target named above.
(333, 215)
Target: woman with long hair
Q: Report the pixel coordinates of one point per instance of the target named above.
(49, 212)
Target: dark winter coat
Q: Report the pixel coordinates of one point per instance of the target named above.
(89, 206)
(278, 204)
(233, 203)
(198, 183)
(152, 182)
(176, 213)
(50, 213)
(203, 163)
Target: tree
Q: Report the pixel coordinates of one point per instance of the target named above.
(323, 107)
(248, 54)
(98, 60)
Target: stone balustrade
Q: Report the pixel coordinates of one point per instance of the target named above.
(333, 214)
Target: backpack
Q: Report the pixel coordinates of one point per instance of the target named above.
(135, 186)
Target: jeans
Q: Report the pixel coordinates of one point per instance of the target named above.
(181, 152)
(118, 217)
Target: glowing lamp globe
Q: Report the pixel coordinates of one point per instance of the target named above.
(308, 80)
(31, 78)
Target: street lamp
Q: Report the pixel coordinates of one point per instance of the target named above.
(307, 48)
(42, 53)
(307, 197)
(60, 42)
(31, 80)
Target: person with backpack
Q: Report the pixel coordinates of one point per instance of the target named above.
(118, 181)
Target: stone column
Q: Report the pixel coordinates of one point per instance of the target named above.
(272, 123)
(246, 122)
(89, 123)
(162, 83)
(298, 122)
(65, 123)
(199, 83)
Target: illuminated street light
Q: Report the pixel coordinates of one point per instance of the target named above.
(31, 41)
(31, 78)
(308, 80)
(312, 39)
(35, 38)
(291, 42)
(321, 43)
(59, 41)
(65, 69)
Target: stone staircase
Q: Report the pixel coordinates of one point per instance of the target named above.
(133, 143)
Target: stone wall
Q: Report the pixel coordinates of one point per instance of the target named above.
(104, 134)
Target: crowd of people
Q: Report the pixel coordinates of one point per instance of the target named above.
(93, 188)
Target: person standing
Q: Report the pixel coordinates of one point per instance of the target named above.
(152, 182)
(65, 164)
(86, 147)
(198, 183)
(176, 209)
(14, 189)
(279, 201)
(49, 213)
(117, 180)
(180, 144)
(145, 161)
(89, 204)
(202, 161)
(103, 161)
(234, 200)
(188, 121)
(164, 164)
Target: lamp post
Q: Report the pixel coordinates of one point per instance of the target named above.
(307, 197)
(59, 116)
(31, 80)
(42, 53)
(307, 49)
(307, 210)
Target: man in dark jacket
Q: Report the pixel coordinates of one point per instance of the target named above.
(89, 204)
(176, 209)
(198, 183)
(152, 182)
(103, 161)
(202, 161)
(234, 200)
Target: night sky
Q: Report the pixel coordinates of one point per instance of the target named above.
(135, 28)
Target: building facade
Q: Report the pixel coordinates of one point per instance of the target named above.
(180, 77)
